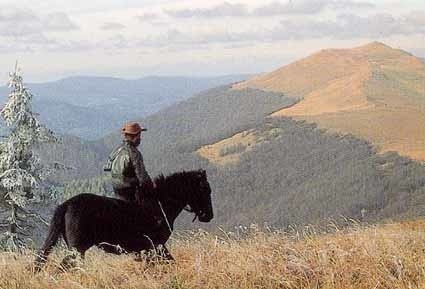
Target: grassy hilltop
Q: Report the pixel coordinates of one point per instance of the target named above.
(374, 92)
(382, 256)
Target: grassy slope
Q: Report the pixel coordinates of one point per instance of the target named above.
(384, 256)
(374, 92)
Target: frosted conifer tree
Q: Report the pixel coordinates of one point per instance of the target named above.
(21, 172)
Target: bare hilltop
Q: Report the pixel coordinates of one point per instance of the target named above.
(374, 92)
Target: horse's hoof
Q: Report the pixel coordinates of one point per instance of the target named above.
(33, 268)
(139, 259)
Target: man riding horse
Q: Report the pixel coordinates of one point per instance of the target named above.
(130, 179)
(133, 225)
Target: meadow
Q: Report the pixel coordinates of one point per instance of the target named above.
(361, 256)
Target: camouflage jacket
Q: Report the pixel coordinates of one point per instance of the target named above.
(128, 169)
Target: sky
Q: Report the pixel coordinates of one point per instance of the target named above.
(53, 39)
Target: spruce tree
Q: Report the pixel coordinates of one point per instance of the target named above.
(21, 171)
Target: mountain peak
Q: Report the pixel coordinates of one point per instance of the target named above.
(305, 75)
(373, 91)
(365, 49)
(375, 45)
(379, 48)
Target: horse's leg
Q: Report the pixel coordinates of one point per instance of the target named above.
(78, 240)
(109, 248)
(159, 253)
(56, 229)
(138, 257)
(163, 252)
(70, 261)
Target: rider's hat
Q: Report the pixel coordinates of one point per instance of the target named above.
(132, 128)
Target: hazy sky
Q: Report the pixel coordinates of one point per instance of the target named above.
(133, 38)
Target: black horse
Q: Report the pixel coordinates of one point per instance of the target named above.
(118, 226)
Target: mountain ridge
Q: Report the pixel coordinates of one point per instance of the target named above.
(373, 91)
(90, 107)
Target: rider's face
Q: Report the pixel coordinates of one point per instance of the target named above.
(137, 139)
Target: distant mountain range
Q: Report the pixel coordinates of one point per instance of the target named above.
(90, 107)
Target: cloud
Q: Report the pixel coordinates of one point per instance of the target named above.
(221, 10)
(344, 26)
(379, 25)
(21, 29)
(32, 31)
(348, 4)
(13, 14)
(112, 26)
(416, 18)
(20, 22)
(27, 43)
(175, 38)
(16, 22)
(58, 22)
(290, 7)
(147, 17)
(116, 42)
(307, 7)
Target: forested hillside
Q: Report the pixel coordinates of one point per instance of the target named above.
(296, 174)
(174, 131)
(300, 174)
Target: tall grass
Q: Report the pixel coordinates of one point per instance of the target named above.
(385, 256)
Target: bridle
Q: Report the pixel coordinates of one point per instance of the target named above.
(190, 210)
(186, 208)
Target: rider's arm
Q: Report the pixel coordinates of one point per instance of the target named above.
(139, 167)
(121, 166)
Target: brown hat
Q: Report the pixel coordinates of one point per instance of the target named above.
(132, 128)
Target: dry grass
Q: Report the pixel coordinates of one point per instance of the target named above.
(212, 152)
(248, 139)
(304, 76)
(373, 92)
(386, 256)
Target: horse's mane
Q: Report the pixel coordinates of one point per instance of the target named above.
(167, 184)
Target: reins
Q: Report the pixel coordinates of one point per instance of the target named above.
(165, 216)
(166, 219)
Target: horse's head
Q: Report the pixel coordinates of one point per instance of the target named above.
(199, 199)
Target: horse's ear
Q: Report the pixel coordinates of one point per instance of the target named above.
(199, 173)
(202, 173)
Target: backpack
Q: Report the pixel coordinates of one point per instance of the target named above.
(108, 166)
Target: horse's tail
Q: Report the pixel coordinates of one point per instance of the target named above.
(56, 229)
